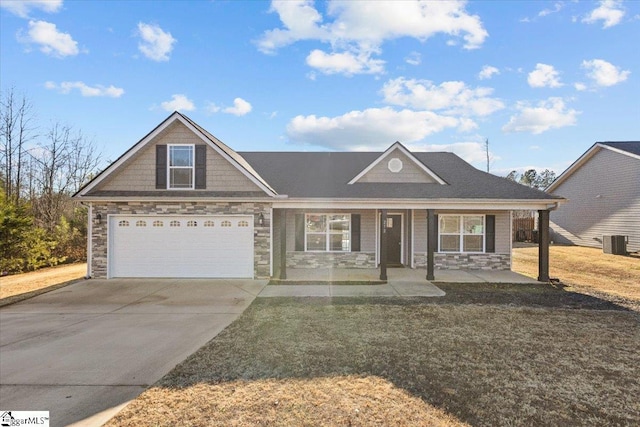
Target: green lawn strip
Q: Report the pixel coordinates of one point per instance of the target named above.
(503, 363)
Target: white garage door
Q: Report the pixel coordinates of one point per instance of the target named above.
(181, 246)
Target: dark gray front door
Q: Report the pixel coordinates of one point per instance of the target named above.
(394, 241)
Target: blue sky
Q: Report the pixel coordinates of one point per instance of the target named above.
(541, 80)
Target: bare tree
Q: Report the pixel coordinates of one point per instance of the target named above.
(16, 130)
(63, 163)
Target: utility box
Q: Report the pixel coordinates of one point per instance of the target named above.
(616, 245)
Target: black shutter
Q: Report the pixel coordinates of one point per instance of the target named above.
(161, 167)
(355, 232)
(491, 234)
(201, 167)
(299, 232)
(437, 243)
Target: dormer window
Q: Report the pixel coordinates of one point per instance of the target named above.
(181, 170)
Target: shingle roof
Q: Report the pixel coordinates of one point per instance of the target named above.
(632, 147)
(326, 175)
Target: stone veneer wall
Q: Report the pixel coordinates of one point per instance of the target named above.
(485, 261)
(261, 255)
(331, 260)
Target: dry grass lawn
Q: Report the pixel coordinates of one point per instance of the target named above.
(586, 270)
(488, 355)
(29, 284)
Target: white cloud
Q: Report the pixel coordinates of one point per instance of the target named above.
(452, 97)
(358, 29)
(472, 152)
(371, 129)
(155, 43)
(610, 12)
(604, 73)
(414, 58)
(178, 102)
(52, 42)
(579, 86)
(546, 115)
(544, 76)
(344, 63)
(557, 7)
(23, 8)
(86, 90)
(487, 72)
(240, 107)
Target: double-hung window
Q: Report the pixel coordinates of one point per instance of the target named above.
(328, 232)
(461, 233)
(181, 169)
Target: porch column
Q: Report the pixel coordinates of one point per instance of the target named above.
(283, 243)
(432, 236)
(543, 246)
(383, 244)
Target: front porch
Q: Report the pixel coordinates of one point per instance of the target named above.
(401, 275)
(353, 244)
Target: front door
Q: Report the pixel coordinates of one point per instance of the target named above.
(394, 241)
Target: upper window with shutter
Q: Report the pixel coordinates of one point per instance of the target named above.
(181, 166)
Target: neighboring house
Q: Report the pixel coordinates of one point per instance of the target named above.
(603, 192)
(180, 203)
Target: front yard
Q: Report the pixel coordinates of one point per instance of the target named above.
(485, 355)
(587, 270)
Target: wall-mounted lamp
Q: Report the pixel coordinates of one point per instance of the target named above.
(261, 220)
(98, 219)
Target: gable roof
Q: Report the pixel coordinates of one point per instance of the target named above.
(328, 175)
(397, 146)
(230, 155)
(626, 148)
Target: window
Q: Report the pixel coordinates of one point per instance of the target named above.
(181, 170)
(192, 223)
(328, 232)
(123, 223)
(225, 224)
(158, 223)
(461, 233)
(141, 223)
(209, 224)
(174, 223)
(243, 224)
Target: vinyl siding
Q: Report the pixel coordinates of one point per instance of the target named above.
(503, 229)
(138, 173)
(603, 199)
(410, 171)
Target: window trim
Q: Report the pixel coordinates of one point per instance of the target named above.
(461, 234)
(327, 232)
(192, 167)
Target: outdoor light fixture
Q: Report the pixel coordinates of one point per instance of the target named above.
(260, 220)
(98, 219)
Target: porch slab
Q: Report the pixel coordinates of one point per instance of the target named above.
(480, 276)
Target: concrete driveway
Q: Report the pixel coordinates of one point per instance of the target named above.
(83, 351)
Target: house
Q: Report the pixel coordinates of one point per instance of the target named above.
(180, 203)
(603, 192)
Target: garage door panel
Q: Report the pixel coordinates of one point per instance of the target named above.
(181, 246)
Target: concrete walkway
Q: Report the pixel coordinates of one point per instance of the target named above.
(83, 351)
(402, 282)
